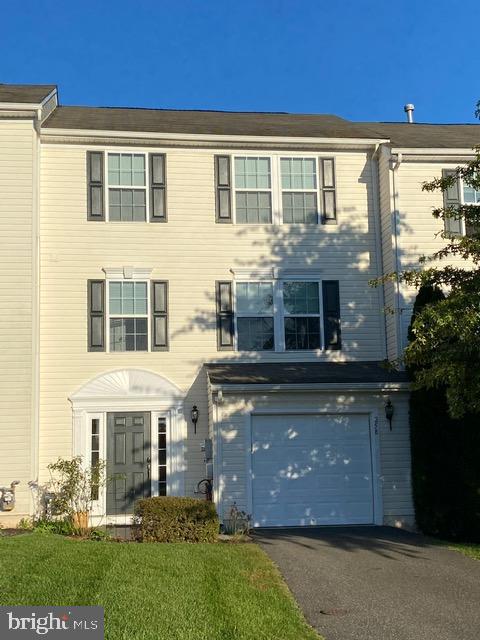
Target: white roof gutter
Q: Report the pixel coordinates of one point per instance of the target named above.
(311, 386)
(192, 137)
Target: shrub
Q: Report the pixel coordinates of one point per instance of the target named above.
(445, 453)
(74, 486)
(169, 519)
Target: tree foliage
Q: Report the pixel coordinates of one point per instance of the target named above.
(445, 452)
(445, 345)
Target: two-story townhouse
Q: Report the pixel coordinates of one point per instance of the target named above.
(193, 301)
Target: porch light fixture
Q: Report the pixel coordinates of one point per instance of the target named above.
(389, 410)
(194, 415)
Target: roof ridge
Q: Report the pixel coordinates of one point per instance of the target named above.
(226, 111)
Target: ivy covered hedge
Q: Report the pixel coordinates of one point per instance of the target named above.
(171, 519)
(445, 460)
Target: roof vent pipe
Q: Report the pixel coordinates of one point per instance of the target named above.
(408, 108)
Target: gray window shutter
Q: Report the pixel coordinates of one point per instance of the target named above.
(158, 187)
(451, 198)
(95, 189)
(327, 186)
(159, 315)
(223, 190)
(96, 315)
(224, 315)
(331, 314)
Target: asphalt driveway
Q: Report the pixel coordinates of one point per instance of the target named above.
(377, 583)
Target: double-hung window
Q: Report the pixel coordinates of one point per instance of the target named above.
(254, 305)
(127, 190)
(284, 315)
(299, 190)
(275, 189)
(301, 308)
(126, 187)
(253, 190)
(128, 315)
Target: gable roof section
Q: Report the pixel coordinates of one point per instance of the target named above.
(25, 93)
(202, 122)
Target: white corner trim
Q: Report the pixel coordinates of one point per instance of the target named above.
(127, 272)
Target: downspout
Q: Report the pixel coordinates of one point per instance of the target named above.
(378, 239)
(398, 309)
(35, 399)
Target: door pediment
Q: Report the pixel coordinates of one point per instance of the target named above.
(128, 383)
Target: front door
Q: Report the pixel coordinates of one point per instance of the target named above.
(128, 460)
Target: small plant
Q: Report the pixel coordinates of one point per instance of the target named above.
(73, 489)
(238, 522)
(25, 524)
(98, 535)
(62, 527)
(170, 519)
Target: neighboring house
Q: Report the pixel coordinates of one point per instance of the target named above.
(153, 261)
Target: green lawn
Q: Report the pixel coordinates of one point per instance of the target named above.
(470, 550)
(152, 591)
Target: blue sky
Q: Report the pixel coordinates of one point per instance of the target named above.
(362, 60)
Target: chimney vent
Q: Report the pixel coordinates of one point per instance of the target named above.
(409, 108)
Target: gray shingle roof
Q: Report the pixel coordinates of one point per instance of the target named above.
(302, 372)
(27, 93)
(401, 134)
(262, 124)
(202, 122)
(419, 135)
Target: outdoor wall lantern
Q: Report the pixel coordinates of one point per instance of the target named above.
(194, 414)
(389, 412)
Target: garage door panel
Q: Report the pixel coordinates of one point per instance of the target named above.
(313, 514)
(311, 470)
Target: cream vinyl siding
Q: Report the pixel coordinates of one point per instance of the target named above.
(191, 251)
(17, 147)
(233, 444)
(417, 228)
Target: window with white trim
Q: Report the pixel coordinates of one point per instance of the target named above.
(128, 315)
(127, 187)
(95, 451)
(253, 190)
(254, 305)
(162, 456)
(279, 315)
(277, 189)
(470, 194)
(299, 186)
(301, 307)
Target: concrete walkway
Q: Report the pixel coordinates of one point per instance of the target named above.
(377, 583)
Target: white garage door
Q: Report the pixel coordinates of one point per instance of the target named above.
(311, 470)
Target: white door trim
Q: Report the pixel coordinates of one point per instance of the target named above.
(131, 390)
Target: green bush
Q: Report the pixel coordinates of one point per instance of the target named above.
(445, 454)
(169, 519)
